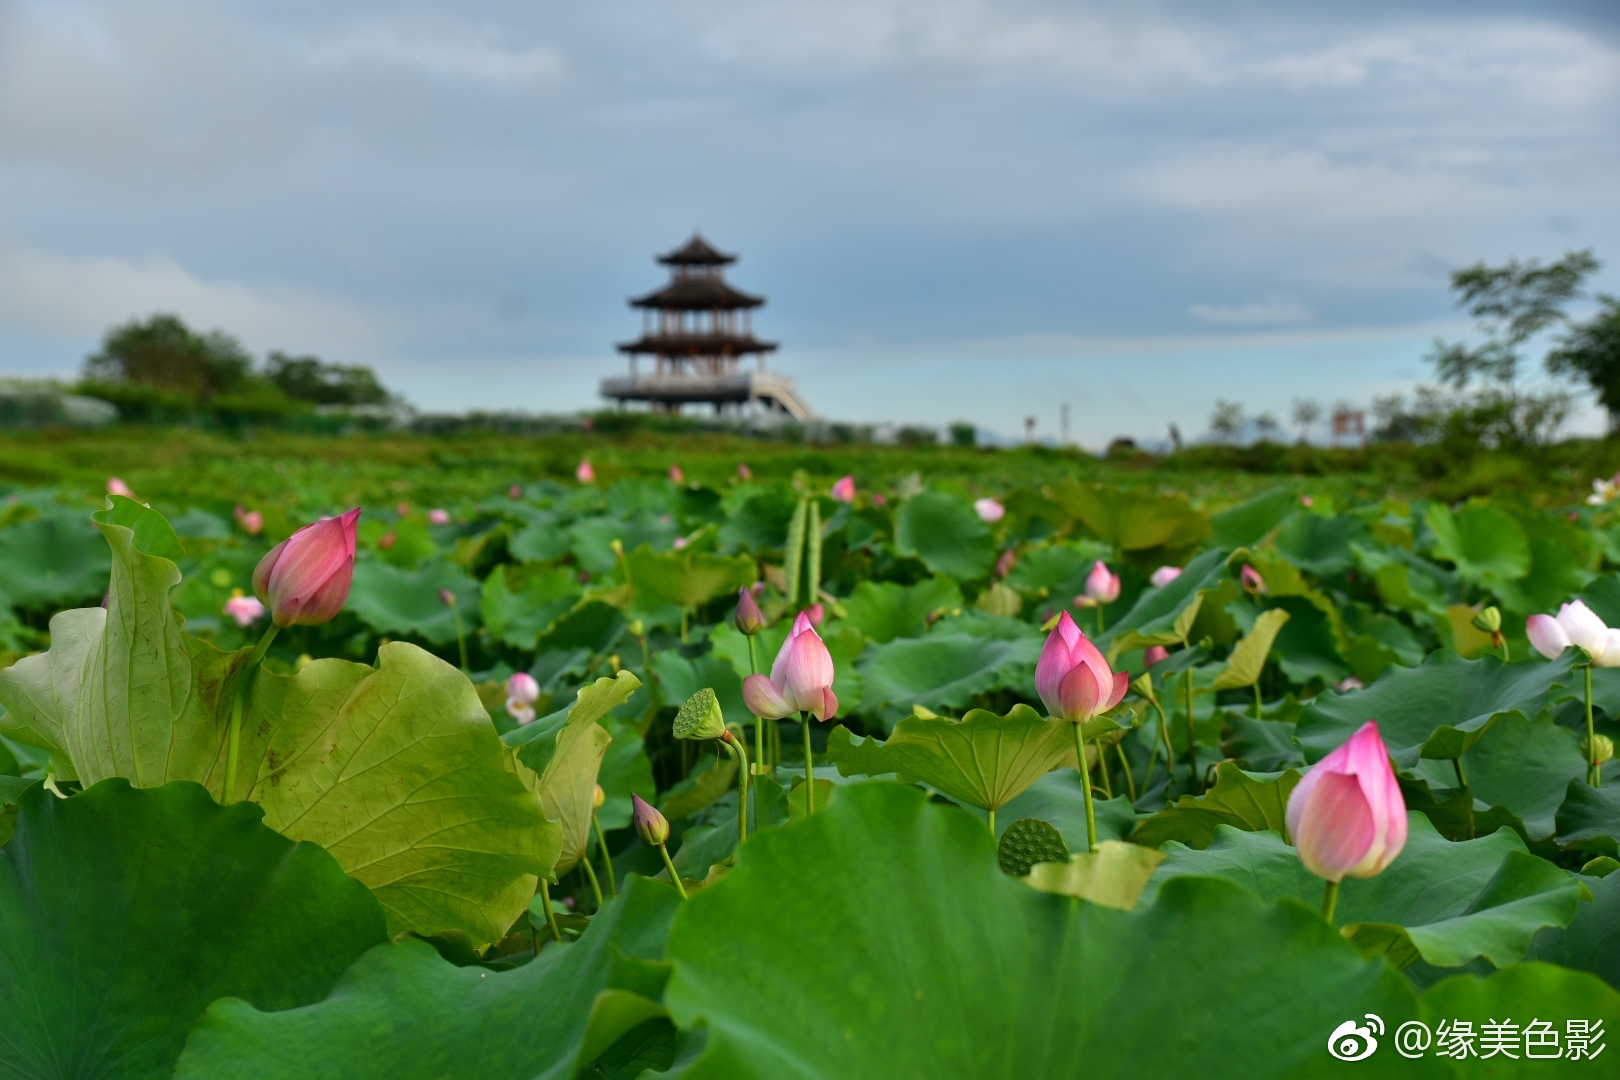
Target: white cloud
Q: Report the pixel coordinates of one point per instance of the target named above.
(1272, 311)
(453, 52)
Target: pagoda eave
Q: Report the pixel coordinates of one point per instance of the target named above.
(697, 346)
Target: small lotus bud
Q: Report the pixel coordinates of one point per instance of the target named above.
(743, 471)
(1164, 575)
(844, 490)
(116, 486)
(650, 824)
(404, 509)
(584, 472)
(1253, 583)
(447, 598)
(1489, 620)
(700, 717)
(676, 475)
(305, 579)
(1144, 686)
(387, 540)
(990, 511)
(1004, 565)
(515, 491)
(1155, 654)
(438, 516)
(1605, 749)
(749, 619)
(523, 687)
(598, 798)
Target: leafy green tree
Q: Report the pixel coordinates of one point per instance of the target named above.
(163, 354)
(307, 378)
(1591, 351)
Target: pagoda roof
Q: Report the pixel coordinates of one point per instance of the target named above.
(697, 345)
(696, 252)
(697, 294)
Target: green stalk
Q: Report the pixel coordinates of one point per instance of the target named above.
(233, 736)
(685, 619)
(551, 916)
(809, 773)
(735, 745)
(1462, 779)
(759, 721)
(1502, 641)
(992, 813)
(1125, 764)
(674, 875)
(1258, 704)
(1099, 620)
(1102, 767)
(1330, 900)
(1085, 779)
(461, 637)
(1192, 738)
(607, 860)
(596, 887)
(1593, 776)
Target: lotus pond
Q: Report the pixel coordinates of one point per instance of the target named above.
(1048, 826)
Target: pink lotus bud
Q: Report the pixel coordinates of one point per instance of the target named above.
(305, 579)
(989, 510)
(1102, 586)
(447, 598)
(1349, 683)
(650, 824)
(815, 613)
(744, 471)
(1306, 501)
(521, 711)
(403, 509)
(676, 475)
(800, 680)
(880, 499)
(246, 610)
(584, 473)
(522, 687)
(1347, 816)
(438, 516)
(515, 491)
(1154, 654)
(680, 542)
(1252, 581)
(116, 486)
(1004, 565)
(387, 540)
(1164, 575)
(1586, 631)
(749, 619)
(1073, 678)
(844, 490)
(252, 522)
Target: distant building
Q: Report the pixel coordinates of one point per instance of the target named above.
(697, 329)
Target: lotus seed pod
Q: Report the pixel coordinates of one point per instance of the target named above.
(700, 717)
(1605, 749)
(1489, 620)
(1144, 686)
(1029, 841)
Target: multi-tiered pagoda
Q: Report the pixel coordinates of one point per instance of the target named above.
(697, 329)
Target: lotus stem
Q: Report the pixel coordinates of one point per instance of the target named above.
(740, 753)
(1462, 777)
(809, 771)
(551, 916)
(233, 736)
(1085, 784)
(461, 638)
(674, 874)
(1594, 775)
(1102, 767)
(1192, 738)
(1259, 706)
(686, 615)
(607, 860)
(1099, 620)
(1125, 766)
(759, 721)
(1330, 901)
(596, 886)
(992, 812)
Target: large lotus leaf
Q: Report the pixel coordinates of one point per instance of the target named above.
(1249, 655)
(943, 671)
(1311, 644)
(123, 691)
(51, 560)
(983, 759)
(1059, 799)
(1436, 710)
(1480, 540)
(519, 607)
(885, 610)
(1132, 520)
(1602, 595)
(1589, 817)
(11, 789)
(680, 677)
(1591, 942)
(1237, 800)
(541, 540)
(1560, 557)
(590, 624)
(944, 532)
(1248, 522)
(1321, 545)
(761, 522)
(1522, 993)
(592, 538)
(402, 1011)
(567, 786)
(689, 578)
(1442, 901)
(398, 772)
(397, 602)
(1159, 616)
(1523, 765)
(912, 955)
(1058, 569)
(1259, 745)
(124, 912)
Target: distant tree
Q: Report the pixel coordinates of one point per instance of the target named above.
(161, 352)
(307, 378)
(1267, 425)
(964, 433)
(1226, 419)
(1591, 351)
(1307, 411)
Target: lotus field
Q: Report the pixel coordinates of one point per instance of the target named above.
(808, 777)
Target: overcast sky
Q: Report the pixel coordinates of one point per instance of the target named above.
(956, 209)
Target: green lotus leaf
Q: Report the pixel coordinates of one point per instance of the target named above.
(1132, 520)
(1321, 545)
(983, 759)
(1059, 569)
(884, 610)
(1237, 800)
(540, 540)
(126, 911)
(519, 610)
(1442, 901)
(1248, 522)
(591, 539)
(944, 532)
(404, 1011)
(1589, 817)
(1523, 766)
(1161, 616)
(1114, 875)
(398, 602)
(1561, 563)
(1482, 541)
(1591, 941)
(903, 920)
(11, 789)
(1528, 991)
(1059, 799)
(52, 560)
(1436, 710)
(944, 670)
(1249, 655)
(688, 578)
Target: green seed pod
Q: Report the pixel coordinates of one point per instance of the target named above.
(1029, 841)
(1489, 620)
(700, 717)
(1605, 749)
(1144, 686)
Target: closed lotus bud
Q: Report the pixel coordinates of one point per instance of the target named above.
(522, 687)
(1155, 654)
(844, 489)
(1488, 620)
(1102, 587)
(305, 579)
(1073, 678)
(584, 472)
(1005, 564)
(700, 718)
(1252, 581)
(438, 516)
(447, 598)
(650, 824)
(1164, 575)
(676, 475)
(116, 486)
(749, 619)
(387, 540)
(1605, 749)
(515, 491)
(598, 798)
(245, 610)
(800, 680)
(989, 510)
(1346, 815)
(743, 471)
